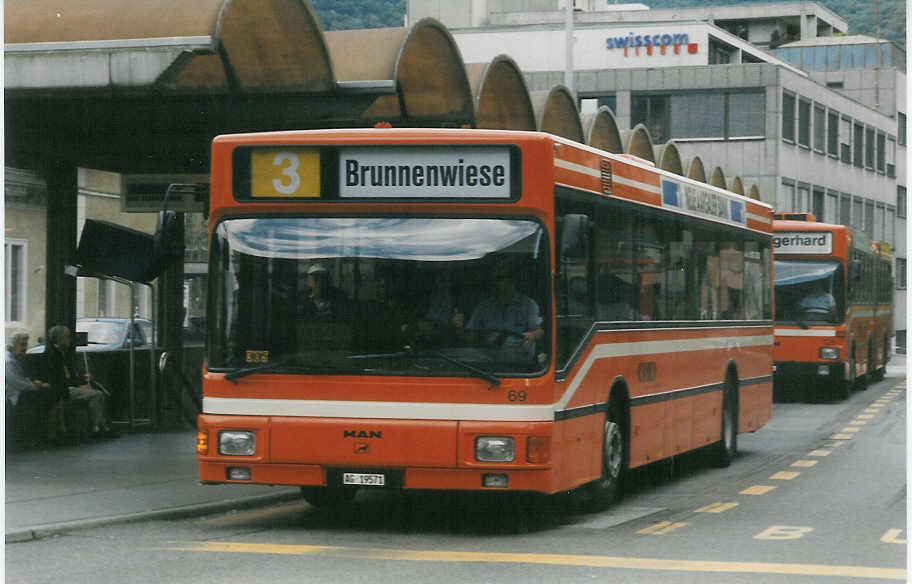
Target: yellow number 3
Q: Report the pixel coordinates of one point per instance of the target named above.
(289, 164)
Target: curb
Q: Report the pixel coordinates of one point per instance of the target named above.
(24, 534)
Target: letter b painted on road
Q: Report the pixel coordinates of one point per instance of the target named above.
(784, 532)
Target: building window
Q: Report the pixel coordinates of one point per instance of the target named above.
(845, 210)
(869, 148)
(802, 202)
(16, 258)
(788, 116)
(845, 140)
(858, 143)
(787, 195)
(880, 215)
(891, 157)
(745, 114)
(819, 128)
(833, 133)
(881, 152)
(831, 208)
(901, 128)
(716, 115)
(901, 202)
(698, 115)
(900, 273)
(804, 123)
(817, 204)
(651, 111)
(858, 213)
(890, 225)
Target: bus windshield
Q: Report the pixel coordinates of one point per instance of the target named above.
(379, 296)
(809, 291)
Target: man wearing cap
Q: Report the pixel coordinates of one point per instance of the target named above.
(324, 302)
(508, 311)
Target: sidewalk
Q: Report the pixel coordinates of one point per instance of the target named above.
(135, 477)
(132, 478)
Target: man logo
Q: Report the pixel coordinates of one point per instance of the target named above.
(362, 434)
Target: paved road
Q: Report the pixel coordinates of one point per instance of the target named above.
(818, 495)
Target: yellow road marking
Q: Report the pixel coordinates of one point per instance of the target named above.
(864, 417)
(850, 429)
(841, 437)
(892, 536)
(781, 532)
(573, 560)
(804, 463)
(819, 452)
(757, 490)
(661, 528)
(858, 422)
(717, 507)
(783, 475)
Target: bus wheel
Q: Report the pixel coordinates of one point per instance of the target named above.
(328, 496)
(599, 494)
(727, 446)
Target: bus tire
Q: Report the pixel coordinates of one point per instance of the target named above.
(727, 446)
(332, 497)
(843, 388)
(601, 493)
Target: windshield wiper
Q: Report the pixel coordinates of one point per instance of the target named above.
(245, 371)
(481, 373)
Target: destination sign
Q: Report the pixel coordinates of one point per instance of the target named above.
(447, 172)
(802, 242)
(703, 202)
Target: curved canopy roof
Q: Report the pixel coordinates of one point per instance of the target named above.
(556, 113)
(668, 158)
(502, 99)
(638, 142)
(694, 169)
(602, 131)
(737, 186)
(718, 178)
(424, 62)
(754, 193)
(254, 45)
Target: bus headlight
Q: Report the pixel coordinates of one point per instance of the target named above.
(494, 449)
(829, 353)
(236, 443)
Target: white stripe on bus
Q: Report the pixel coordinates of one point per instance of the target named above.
(804, 333)
(482, 412)
(377, 410)
(759, 218)
(656, 347)
(574, 167)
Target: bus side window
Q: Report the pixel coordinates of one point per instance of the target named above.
(650, 263)
(614, 258)
(731, 259)
(708, 276)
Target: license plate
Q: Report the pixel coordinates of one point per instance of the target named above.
(363, 479)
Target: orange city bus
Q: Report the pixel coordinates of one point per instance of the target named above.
(473, 310)
(834, 305)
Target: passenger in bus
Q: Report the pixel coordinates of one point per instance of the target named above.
(818, 304)
(324, 302)
(508, 318)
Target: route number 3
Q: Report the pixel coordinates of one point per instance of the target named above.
(285, 172)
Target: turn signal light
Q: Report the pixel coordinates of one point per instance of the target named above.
(202, 442)
(538, 449)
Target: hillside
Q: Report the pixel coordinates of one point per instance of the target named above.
(347, 14)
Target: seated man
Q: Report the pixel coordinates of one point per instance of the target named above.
(508, 318)
(818, 304)
(27, 400)
(69, 386)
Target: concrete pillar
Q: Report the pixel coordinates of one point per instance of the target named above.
(60, 287)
